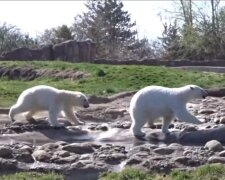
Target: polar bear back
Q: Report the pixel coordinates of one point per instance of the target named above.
(39, 97)
(154, 97)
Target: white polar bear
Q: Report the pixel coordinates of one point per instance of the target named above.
(41, 97)
(155, 102)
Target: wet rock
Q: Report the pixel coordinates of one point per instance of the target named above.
(123, 125)
(206, 111)
(5, 152)
(164, 150)
(66, 160)
(80, 148)
(216, 120)
(24, 157)
(110, 154)
(176, 146)
(181, 159)
(142, 154)
(157, 158)
(103, 127)
(61, 143)
(114, 158)
(62, 153)
(187, 152)
(222, 120)
(80, 164)
(159, 166)
(190, 129)
(49, 146)
(8, 165)
(216, 159)
(214, 145)
(134, 161)
(26, 148)
(187, 161)
(41, 155)
(222, 153)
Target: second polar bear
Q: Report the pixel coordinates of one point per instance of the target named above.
(42, 97)
(154, 102)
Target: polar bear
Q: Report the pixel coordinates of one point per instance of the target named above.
(42, 97)
(155, 102)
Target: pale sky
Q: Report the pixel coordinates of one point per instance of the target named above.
(34, 17)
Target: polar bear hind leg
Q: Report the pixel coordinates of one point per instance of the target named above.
(138, 121)
(29, 115)
(53, 116)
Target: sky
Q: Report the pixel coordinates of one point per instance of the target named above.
(34, 17)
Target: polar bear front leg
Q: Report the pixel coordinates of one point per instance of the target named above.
(14, 110)
(185, 116)
(53, 115)
(72, 117)
(166, 123)
(151, 124)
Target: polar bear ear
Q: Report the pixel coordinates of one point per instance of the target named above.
(191, 87)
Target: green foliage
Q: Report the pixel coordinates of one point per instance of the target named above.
(107, 24)
(56, 35)
(101, 73)
(116, 78)
(199, 32)
(32, 176)
(11, 38)
(206, 172)
(128, 174)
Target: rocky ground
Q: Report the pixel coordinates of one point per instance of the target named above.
(105, 143)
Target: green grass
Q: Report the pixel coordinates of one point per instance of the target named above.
(128, 174)
(104, 79)
(206, 172)
(32, 176)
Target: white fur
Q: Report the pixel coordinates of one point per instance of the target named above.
(40, 98)
(154, 102)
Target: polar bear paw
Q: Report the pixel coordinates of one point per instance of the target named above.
(166, 131)
(58, 125)
(139, 134)
(79, 123)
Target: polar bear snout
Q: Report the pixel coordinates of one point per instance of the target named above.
(204, 94)
(86, 105)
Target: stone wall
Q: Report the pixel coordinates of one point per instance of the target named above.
(73, 51)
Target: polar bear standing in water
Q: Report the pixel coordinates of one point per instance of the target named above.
(154, 102)
(41, 97)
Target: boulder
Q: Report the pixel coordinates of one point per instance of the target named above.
(5, 152)
(214, 145)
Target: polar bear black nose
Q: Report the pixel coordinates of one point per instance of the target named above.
(205, 93)
(86, 105)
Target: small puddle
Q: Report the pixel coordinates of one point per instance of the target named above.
(72, 135)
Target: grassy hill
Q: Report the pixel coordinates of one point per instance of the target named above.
(103, 79)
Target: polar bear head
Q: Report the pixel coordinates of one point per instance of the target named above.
(81, 100)
(195, 92)
(74, 98)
